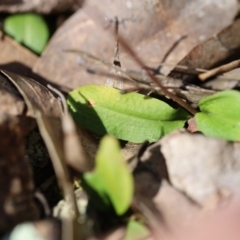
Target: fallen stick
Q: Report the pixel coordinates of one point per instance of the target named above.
(219, 70)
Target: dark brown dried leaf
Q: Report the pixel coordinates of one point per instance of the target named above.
(48, 113)
(211, 52)
(16, 184)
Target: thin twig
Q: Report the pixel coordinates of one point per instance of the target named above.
(219, 70)
(170, 50)
(175, 98)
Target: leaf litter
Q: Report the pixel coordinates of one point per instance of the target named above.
(180, 180)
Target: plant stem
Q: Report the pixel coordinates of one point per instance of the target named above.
(175, 98)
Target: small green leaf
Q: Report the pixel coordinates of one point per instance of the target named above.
(111, 179)
(96, 190)
(220, 115)
(29, 29)
(133, 117)
(135, 231)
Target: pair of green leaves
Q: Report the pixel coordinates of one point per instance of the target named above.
(133, 117)
(136, 118)
(111, 183)
(29, 29)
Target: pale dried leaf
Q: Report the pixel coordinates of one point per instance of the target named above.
(205, 169)
(41, 6)
(152, 27)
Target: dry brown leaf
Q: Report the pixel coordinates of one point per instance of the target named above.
(151, 178)
(11, 102)
(48, 113)
(41, 6)
(14, 57)
(178, 211)
(205, 169)
(74, 152)
(223, 224)
(152, 27)
(36, 96)
(211, 52)
(16, 183)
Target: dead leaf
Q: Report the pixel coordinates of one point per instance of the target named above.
(152, 27)
(76, 157)
(14, 57)
(221, 225)
(192, 125)
(11, 102)
(48, 113)
(39, 99)
(177, 209)
(205, 169)
(16, 184)
(151, 181)
(36, 96)
(211, 52)
(42, 6)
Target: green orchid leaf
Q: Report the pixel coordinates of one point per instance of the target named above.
(220, 115)
(132, 117)
(29, 29)
(111, 178)
(96, 190)
(135, 231)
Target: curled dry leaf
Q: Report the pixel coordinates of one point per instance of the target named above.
(74, 152)
(36, 96)
(39, 99)
(11, 102)
(48, 113)
(152, 27)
